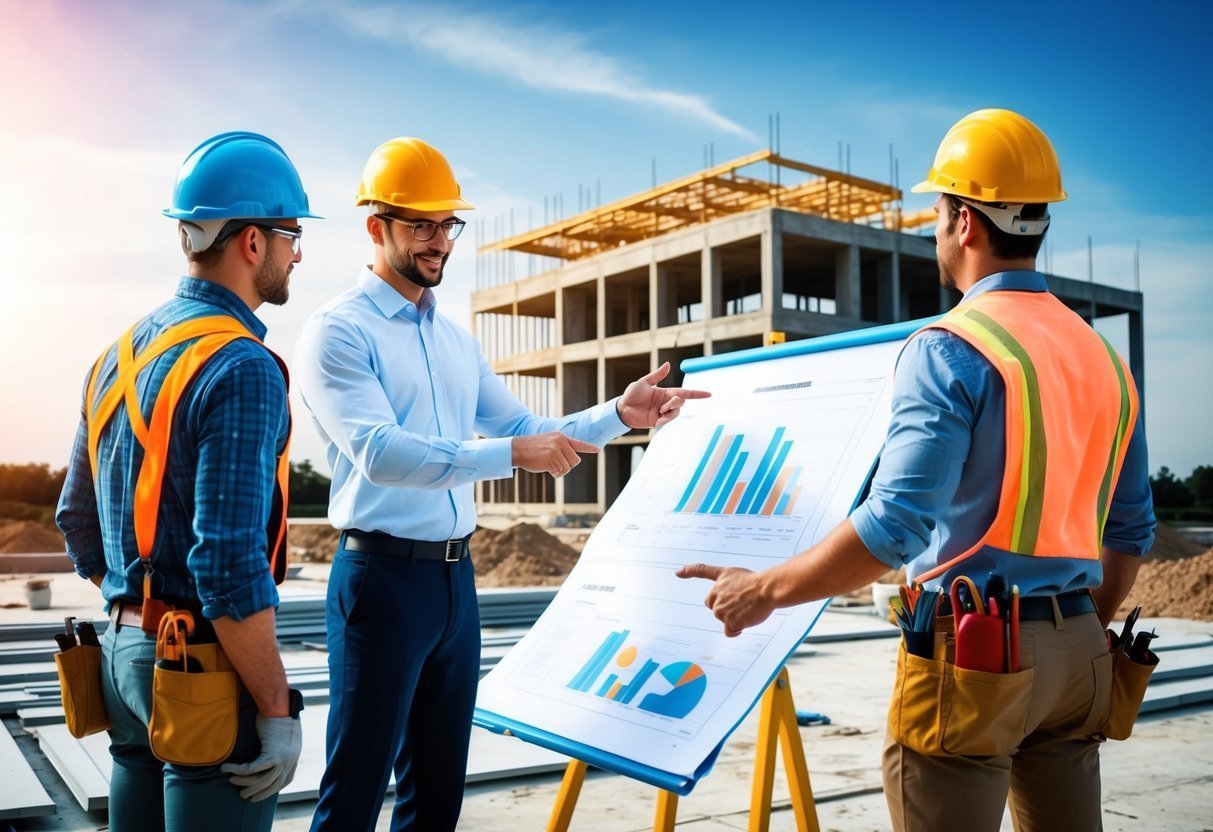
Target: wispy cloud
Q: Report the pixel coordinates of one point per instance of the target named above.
(540, 56)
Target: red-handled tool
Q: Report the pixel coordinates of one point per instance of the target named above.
(980, 638)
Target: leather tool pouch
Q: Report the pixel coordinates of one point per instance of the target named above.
(195, 698)
(80, 687)
(1129, 680)
(938, 708)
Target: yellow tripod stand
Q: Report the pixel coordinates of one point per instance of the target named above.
(776, 726)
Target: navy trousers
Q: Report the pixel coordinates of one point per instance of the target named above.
(404, 662)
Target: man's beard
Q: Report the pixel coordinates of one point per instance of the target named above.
(406, 266)
(947, 277)
(272, 283)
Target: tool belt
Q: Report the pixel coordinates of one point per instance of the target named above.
(195, 697)
(960, 688)
(79, 665)
(378, 543)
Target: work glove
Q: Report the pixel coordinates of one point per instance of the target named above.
(281, 743)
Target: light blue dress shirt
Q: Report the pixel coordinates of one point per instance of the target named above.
(937, 486)
(399, 393)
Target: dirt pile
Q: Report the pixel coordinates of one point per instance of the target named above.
(1171, 545)
(312, 542)
(522, 555)
(1174, 588)
(28, 536)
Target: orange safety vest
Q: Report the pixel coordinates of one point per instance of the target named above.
(209, 335)
(1071, 407)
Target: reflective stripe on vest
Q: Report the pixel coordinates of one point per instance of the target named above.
(1070, 407)
(209, 335)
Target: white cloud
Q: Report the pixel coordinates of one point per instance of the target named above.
(539, 56)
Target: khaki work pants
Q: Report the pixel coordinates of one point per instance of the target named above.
(1053, 774)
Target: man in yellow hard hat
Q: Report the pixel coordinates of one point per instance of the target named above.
(399, 393)
(1014, 460)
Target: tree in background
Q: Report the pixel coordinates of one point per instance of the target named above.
(1200, 484)
(36, 484)
(309, 488)
(1170, 491)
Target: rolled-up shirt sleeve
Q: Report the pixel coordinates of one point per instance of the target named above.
(241, 429)
(925, 449)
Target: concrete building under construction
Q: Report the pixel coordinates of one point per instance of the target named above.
(707, 264)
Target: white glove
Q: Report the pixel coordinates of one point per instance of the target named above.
(281, 743)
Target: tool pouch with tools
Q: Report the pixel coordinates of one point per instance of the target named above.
(940, 706)
(1132, 665)
(79, 667)
(195, 697)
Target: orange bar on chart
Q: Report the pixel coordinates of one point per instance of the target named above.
(734, 498)
(777, 491)
(709, 474)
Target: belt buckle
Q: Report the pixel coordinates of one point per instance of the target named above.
(450, 544)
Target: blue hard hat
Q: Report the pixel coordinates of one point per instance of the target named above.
(237, 176)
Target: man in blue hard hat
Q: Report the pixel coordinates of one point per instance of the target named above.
(210, 539)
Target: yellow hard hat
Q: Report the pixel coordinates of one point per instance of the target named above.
(995, 156)
(408, 173)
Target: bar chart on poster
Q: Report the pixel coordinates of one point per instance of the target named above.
(627, 669)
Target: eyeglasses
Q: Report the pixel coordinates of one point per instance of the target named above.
(424, 229)
(234, 227)
(293, 234)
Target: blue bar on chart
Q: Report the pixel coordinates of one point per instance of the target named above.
(703, 463)
(723, 497)
(757, 480)
(633, 687)
(585, 677)
(606, 686)
(725, 467)
(772, 473)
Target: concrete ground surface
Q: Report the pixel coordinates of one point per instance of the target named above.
(1161, 779)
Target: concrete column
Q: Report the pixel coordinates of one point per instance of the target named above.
(1137, 357)
(772, 267)
(846, 281)
(712, 291)
(888, 289)
(656, 298)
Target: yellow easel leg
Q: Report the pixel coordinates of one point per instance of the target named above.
(667, 811)
(566, 800)
(777, 723)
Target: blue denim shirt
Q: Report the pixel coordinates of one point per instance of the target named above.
(937, 486)
(399, 394)
(229, 427)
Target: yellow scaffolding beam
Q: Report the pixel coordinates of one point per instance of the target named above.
(710, 194)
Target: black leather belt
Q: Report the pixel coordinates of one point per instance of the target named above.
(1078, 602)
(1040, 607)
(378, 543)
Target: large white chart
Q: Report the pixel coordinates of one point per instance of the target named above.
(627, 660)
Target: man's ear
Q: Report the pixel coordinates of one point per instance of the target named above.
(967, 226)
(375, 227)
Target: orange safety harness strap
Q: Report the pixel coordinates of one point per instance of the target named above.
(210, 334)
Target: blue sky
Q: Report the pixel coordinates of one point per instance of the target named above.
(103, 101)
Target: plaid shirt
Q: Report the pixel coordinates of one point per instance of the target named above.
(229, 426)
